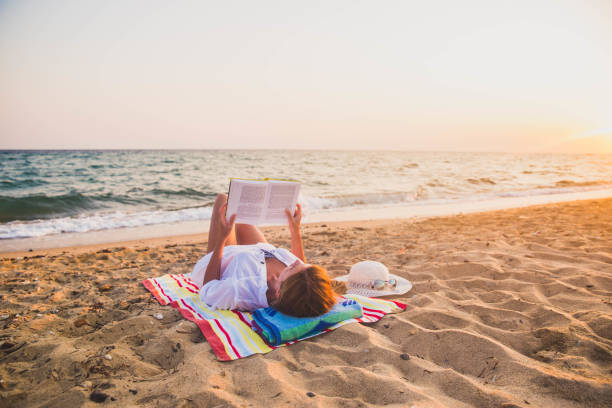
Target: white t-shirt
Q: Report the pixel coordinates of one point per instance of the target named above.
(244, 281)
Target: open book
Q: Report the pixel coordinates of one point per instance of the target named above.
(261, 201)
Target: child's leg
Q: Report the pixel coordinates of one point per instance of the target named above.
(213, 232)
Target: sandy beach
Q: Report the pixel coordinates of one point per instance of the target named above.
(511, 308)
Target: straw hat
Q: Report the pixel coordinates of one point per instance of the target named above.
(362, 274)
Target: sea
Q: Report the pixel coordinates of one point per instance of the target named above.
(54, 193)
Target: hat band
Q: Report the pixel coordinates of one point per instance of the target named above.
(375, 284)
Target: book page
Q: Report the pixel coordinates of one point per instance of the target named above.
(282, 195)
(247, 200)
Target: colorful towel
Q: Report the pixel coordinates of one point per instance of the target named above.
(277, 328)
(230, 332)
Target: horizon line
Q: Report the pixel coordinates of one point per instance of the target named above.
(2, 150)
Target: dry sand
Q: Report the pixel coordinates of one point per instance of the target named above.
(509, 308)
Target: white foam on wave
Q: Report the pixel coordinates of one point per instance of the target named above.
(118, 219)
(356, 200)
(547, 191)
(421, 197)
(312, 205)
(100, 222)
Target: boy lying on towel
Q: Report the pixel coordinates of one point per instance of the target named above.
(243, 271)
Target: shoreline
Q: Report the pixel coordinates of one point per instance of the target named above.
(416, 210)
(199, 238)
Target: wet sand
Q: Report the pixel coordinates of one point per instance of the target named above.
(510, 308)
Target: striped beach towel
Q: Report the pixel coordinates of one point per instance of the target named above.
(229, 332)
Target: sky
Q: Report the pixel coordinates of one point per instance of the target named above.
(394, 75)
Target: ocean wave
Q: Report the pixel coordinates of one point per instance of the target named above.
(37, 206)
(355, 200)
(41, 206)
(435, 183)
(12, 184)
(118, 219)
(422, 196)
(482, 180)
(547, 190)
(571, 183)
(99, 222)
(186, 192)
(311, 204)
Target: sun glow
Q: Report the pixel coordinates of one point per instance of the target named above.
(595, 141)
(604, 132)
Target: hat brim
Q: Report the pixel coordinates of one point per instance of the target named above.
(403, 286)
